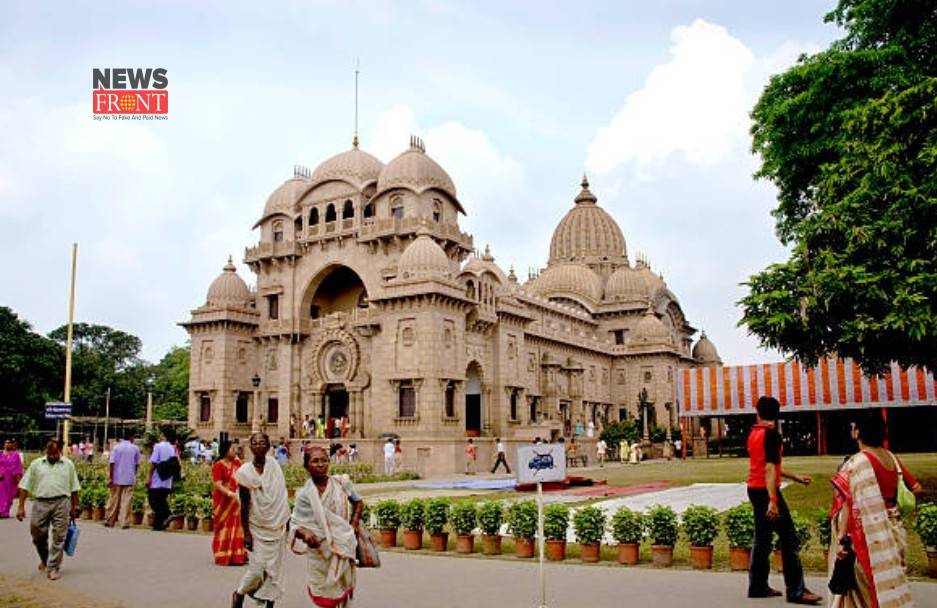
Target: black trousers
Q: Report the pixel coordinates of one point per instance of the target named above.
(760, 564)
(159, 503)
(501, 460)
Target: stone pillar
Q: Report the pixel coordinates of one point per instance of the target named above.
(487, 409)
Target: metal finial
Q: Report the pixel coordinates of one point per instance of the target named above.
(585, 180)
(354, 141)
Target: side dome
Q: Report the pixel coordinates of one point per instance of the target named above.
(228, 289)
(284, 198)
(704, 351)
(354, 166)
(479, 265)
(414, 169)
(422, 258)
(568, 279)
(637, 283)
(587, 234)
(650, 331)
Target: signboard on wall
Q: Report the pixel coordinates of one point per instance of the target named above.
(56, 410)
(541, 462)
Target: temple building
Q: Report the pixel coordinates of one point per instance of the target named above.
(372, 304)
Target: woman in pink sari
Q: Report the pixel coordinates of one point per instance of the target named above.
(11, 470)
(865, 510)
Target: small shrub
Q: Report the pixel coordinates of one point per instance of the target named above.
(204, 510)
(413, 514)
(739, 524)
(801, 531)
(522, 519)
(490, 517)
(388, 514)
(628, 527)
(99, 497)
(926, 525)
(662, 525)
(177, 504)
(437, 515)
(589, 525)
(464, 517)
(137, 502)
(701, 525)
(555, 521)
(86, 498)
(821, 518)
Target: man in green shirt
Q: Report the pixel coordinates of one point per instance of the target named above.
(52, 483)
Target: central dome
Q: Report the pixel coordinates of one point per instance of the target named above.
(587, 234)
(415, 170)
(354, 166)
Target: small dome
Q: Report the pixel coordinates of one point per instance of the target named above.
(423, 257)
(284, 198)
(587, 234)
(704, 351)
(354, 166)
(650, 331)
(415, 170)
(228, 289)
(568, 278)
(637, 283)
(479, 265)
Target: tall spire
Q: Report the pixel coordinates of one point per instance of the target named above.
(585, 196)
(354, 141)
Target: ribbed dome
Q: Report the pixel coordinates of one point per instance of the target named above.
(423, 257)
(414, 169)
(650, 330)
(587, 234)
(628, 283)
(568, 278)
(284, 198)
(704, 351)
(228, 288)
(354, 166)
(485, 263)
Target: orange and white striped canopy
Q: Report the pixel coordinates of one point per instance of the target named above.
(832, 384)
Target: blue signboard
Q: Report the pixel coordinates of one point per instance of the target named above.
(56, 410)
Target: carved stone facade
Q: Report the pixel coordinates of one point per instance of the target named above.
(371, 304)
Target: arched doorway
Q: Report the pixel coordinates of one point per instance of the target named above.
(335, 289)
(473, 401)
(336, 401)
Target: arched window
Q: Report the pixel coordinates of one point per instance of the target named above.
(330, 213)
(513, 412)
(278, 232)
(406, 400)
(298, 225)
(437, 210)
(470, 290)
(450, 400)
(348, 210)
(396, 207)
(369, 210)
(314, 216)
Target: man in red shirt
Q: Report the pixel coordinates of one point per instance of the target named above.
(771, 513)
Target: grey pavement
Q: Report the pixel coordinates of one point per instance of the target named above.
(146, 569)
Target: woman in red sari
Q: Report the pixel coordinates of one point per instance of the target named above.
(228, 542)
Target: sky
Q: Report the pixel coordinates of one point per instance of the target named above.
(514, 99)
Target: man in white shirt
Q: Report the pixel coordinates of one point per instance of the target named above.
(389, 457)
(501, 457)
(600, 448)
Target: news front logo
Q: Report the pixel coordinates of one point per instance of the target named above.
(130, 94)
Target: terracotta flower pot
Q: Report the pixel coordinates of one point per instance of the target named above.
(491, 545)
(932, 563)
(628, 554)
(413, 539)
(137, 518)
(388, 538)
(662, 555)
(176, 523)
(439, 541)
(291, 492)
(778, 561)
(191, 523)
(150, 518)
(556, 550)
(826, 555)
(207, 524)
(701, 558)
(97, 514)
(524, 547)
(86, 513)
(590, 552)
(739, 558)
(465, 543)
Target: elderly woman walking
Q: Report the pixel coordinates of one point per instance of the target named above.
(228, 541)
(11, 471)
(865, 512)
(326, 519)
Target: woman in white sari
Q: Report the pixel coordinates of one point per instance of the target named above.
(326, 519)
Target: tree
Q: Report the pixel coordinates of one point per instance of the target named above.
(171, 390)
(849, 137)
(31, 371)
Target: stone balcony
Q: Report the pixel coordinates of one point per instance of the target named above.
(266, 251)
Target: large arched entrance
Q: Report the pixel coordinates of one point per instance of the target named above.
(336, 401)
(335, 289)
(473, 401)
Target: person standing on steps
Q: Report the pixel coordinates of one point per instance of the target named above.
(771, 512)
(501, 457)
(265, 515)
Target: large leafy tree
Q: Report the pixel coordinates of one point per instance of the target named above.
(849, 137)
(171, 385)
(31, 372)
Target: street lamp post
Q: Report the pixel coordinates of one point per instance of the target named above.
(255, 426)
(149, 403)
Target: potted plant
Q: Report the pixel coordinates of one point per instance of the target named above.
(662, 528)
(628, 528)
(555, 524)
(205, 513)
(522, 524)
(387, 513)
(190, 506)
(138, 506)
(490, 518)
(821, 517)
(177, 509)
(701, 525)
(413, 519)
(926, 527)
(801, 531)
(99, 501)
(85, 502)
(437, 516)
(464, 518)
(589, 526)
(739, 524)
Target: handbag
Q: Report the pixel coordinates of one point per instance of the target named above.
(906, 500)
(843, 579)
(71, 538)
(367, 553)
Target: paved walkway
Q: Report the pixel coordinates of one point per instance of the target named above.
(142, 569)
